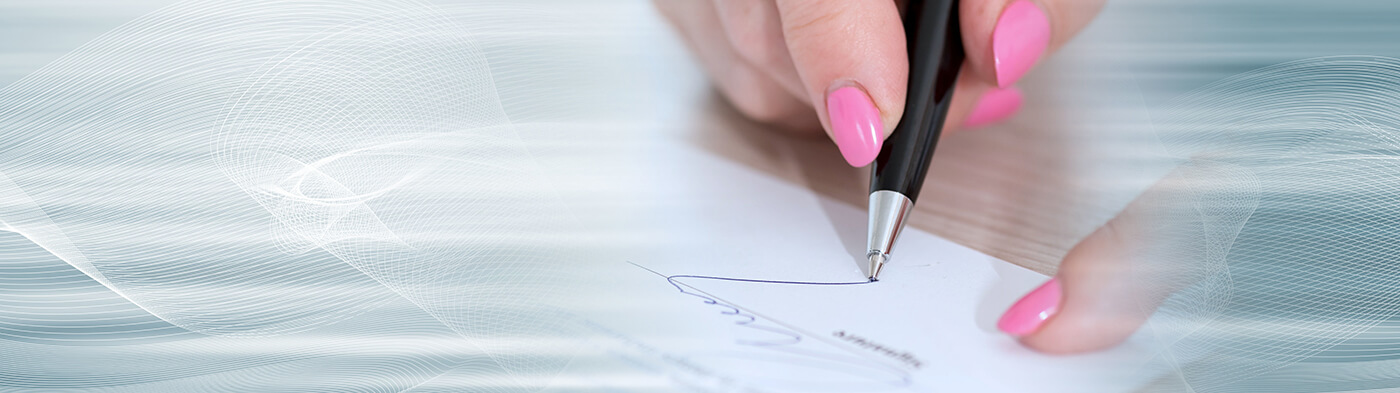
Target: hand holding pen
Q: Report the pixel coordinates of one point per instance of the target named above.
(843, 66)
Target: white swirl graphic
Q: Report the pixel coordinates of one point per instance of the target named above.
(258, 170)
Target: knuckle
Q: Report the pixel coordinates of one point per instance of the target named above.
(810, 20)
(754, 31)
(755, 96)
(765, 107)
(762, 104)
(752, 45)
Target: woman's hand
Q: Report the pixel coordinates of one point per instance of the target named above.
(842, 65)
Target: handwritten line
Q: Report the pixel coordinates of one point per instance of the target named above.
(748, 320)
(673, 278)
(790, 336)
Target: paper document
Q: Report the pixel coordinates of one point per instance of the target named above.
(764, 291)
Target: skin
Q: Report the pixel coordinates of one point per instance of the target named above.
(773, 59)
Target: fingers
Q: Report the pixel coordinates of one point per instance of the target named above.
(1172, 236)
(851, 59)
(1006, 38)
(750, 90)
(1095, 300)
(754, 32)
(842, 64)
(1092, 303)
(977, 106)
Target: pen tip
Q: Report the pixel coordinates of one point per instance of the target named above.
(877, 261)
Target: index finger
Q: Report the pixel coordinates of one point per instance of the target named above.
(851, 58)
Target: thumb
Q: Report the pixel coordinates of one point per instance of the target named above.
(851, 58)
(1176, 234)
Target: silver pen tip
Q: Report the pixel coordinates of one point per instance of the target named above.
(877, 261)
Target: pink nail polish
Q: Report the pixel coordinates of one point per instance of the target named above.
(994, 106)
(1020, 37)
(1026, 316)
(855, 125)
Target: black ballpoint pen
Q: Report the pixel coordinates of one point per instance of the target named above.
(935, 57)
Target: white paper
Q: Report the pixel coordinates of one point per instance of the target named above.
(927, 325)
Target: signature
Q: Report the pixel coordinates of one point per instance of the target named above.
(788, 347)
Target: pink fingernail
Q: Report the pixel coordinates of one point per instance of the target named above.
(1021, 35)
(1026, 316)
(994, 106)
(855, 125)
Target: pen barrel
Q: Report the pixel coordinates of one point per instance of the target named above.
(935, 56)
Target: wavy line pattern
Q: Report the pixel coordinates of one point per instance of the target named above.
(222, 174)
(1305, 169)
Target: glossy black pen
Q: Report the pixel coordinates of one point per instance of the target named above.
(935, 57)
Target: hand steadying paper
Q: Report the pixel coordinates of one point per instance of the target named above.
(770, 297)
(788, 63)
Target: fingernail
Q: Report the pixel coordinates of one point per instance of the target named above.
(1021, 35)
(1026, 316)
(994, 106)
(855, 125)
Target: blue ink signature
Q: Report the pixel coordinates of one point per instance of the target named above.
(788, 340)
